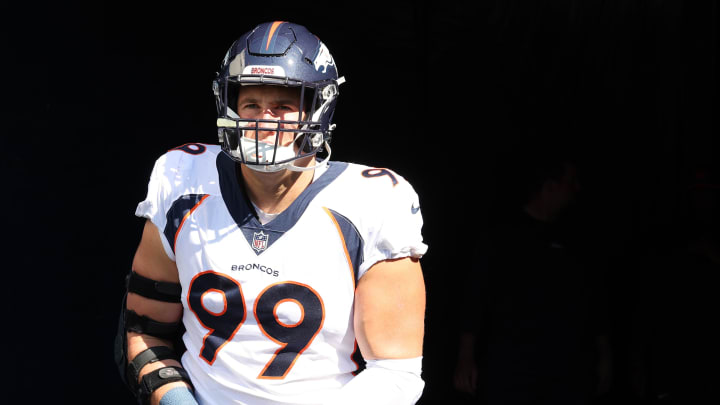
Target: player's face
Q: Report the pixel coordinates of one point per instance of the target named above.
(271, 103)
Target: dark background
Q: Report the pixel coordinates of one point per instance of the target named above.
(444, 94)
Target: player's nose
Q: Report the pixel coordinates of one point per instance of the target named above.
(268, 126)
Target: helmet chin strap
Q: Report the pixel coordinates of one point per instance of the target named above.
(247, 147)
(317, 164)
(291, 165)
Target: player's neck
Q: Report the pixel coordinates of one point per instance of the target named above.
(274, 192)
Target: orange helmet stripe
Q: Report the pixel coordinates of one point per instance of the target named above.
(273, 28)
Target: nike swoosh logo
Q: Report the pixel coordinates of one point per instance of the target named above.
(414, 209)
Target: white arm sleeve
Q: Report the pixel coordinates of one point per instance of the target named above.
(383, 382)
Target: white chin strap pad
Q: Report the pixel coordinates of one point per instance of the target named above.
(383, 382)
(291, 165)
(267, 151)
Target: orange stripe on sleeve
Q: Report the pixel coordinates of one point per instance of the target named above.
(342, 238)
(186, 217)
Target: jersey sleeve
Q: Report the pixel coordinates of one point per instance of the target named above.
(398, 233)
(159, 196)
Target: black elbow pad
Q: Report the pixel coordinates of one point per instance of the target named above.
(156, 290)
(130, 321)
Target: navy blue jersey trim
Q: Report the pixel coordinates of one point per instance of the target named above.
(232, 192)
(353, 241)
(260, 237)
(176, 214)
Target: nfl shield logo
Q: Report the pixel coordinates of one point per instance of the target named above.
(260, 240)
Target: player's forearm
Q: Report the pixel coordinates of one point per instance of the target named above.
(383, 382)
(137, 343)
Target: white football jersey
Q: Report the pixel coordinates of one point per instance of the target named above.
(268, 309)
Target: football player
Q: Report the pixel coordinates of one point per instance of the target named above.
(266, 273)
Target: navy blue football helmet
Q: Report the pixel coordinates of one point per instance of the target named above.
(282, 54)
